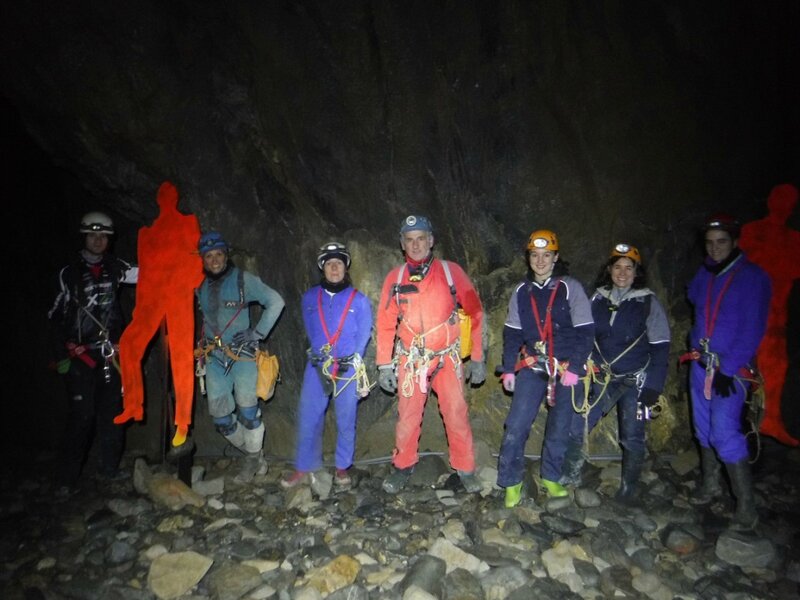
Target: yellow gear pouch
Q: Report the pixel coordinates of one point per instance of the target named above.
(466, 333)
(268, 374)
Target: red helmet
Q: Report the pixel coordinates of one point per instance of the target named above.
(723, 221)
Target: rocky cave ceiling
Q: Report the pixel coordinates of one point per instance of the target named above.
(288, 123)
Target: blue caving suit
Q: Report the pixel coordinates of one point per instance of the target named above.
(352, 339)
(225, 312)
(741, 291)
(573, 332)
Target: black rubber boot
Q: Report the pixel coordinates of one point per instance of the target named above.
(632, 464)
(746, 517)
(711, 487)
(573, 464)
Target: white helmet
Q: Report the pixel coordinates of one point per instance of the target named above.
(97, 222)
(333, 250)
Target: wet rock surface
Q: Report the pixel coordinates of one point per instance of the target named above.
(432, 540)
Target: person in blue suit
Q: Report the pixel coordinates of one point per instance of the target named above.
(338, 324)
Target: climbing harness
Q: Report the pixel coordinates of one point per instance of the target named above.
(329, 366)
(544, 347)
(419, 363)
(459, 314)
(708, 358)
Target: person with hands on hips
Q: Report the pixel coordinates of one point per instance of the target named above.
(730, 296)
(229, 342)
(547, 339)
(631, 350)
(418, 350)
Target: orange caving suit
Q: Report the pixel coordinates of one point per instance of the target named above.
(169, 270)
(419, 330)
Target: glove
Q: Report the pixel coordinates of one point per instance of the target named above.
(387, 379)
(508, 380)
(245, 336)
(722, 384)
(476, 372)
(649, 397)
(568, 378)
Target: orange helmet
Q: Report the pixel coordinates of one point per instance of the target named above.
(627, 251)
(543, 239)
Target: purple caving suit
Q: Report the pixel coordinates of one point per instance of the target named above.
(314, 397)
(734, 333)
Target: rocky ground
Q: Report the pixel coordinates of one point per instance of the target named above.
(151, 536)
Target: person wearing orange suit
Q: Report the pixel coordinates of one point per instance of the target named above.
(774, 247)
(418, 350)
(169, 270)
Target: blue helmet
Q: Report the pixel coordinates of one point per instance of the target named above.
(416, 223)
(211, 240)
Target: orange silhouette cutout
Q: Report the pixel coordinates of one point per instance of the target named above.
(775, 248)
(169, 271)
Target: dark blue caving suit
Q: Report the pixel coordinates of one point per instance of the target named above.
(573, 331)
(632, 349)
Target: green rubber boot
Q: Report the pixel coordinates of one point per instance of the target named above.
(555, 489)
(513, 495)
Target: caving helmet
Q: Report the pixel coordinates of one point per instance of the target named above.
(543, 239)
(416, 223)
(211, 240)
(97, 222)
(333, 250)
(723, 221)
(627, 251)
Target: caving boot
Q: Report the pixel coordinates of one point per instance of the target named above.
(513, 495)
(574, 458)
(628, 492)
(711, 487)
(746, 517)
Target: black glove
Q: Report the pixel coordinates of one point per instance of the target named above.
(648, 397)
(245, 336)
(722, 384)
(387, 379)
(476, 372)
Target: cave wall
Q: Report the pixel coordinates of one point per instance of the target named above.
(286, 124)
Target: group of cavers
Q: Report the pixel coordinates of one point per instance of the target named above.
(430, 336)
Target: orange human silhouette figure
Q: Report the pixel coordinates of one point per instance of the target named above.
(169, 271)
(775, 248)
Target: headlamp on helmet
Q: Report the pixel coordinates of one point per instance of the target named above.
(333, 250)
(723, 221)
(97, 222)
(211, 240)
(627, 251)
(543, 239)
(416, 223)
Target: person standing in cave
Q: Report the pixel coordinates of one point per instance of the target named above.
(418, 343)
(547, 339)
(87, 323)
(730, 296)
(338, 324)
(631, 349)
(228, 344)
